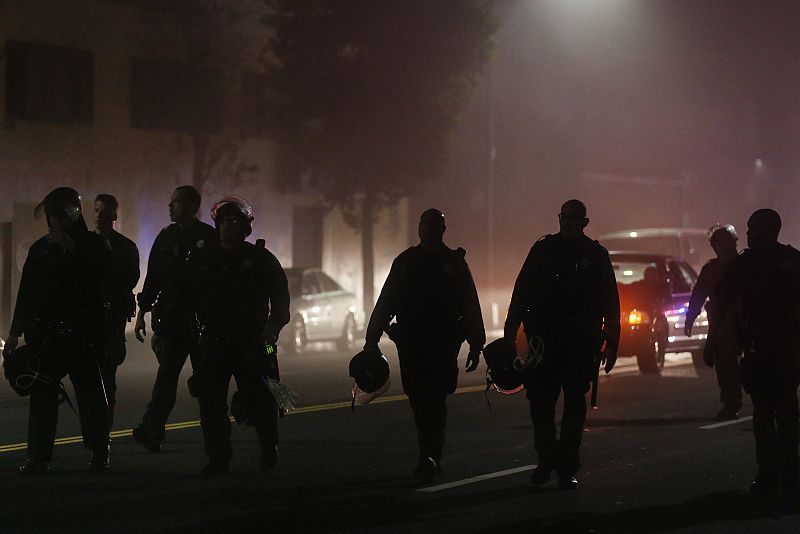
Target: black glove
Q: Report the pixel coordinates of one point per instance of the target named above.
(473, 359)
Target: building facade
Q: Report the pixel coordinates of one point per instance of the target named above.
(107, 97)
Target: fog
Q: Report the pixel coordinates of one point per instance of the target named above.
(655, 114)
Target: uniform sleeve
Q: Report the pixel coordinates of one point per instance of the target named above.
(23, 310)
(475, 330)
(278, 294)
(520, 298)
(386, 307)
(196, 279)
(728, 289)
(130, 267)
(99, 262)
(154, 277)
(702, 290)
(610, 301)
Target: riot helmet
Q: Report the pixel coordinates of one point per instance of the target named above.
(719, 230)
(62, 200)
(370, 371)
(234, 206)
(501, 357)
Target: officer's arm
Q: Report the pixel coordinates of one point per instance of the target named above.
(154, 277)
(195, 280)
(520, 298)
(104, 274)
(130, 267)
(385, 307)
(611, 304)
(475, 331)
(702, 289)
(23, 310)
(728, 289)
(278, 295)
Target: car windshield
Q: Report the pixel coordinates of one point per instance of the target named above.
(630, 271)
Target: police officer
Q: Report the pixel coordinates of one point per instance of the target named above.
(241, 296)
(431, 294)
(722, 350)
(174, 331)
(566, 293)
(61, 311)
(121, 280)
(765, 279)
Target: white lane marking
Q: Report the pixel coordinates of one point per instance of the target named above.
(728, 423)
(488, 476)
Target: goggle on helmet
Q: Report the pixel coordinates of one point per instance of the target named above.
(63, 199)
(236, 206)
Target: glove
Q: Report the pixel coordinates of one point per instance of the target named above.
(140, 328)
(609, 358)
(473, 359)
(270, 334)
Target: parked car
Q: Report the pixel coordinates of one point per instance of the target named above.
(654, 291)
(690, 244)
(320, 311)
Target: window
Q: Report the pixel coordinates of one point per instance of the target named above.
(680, 281)
(175, 96)
(310, 283)
(49, 83)
(294, 279)
(328, 284)
(631, 271)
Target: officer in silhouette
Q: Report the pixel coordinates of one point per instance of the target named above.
(765, 280)
(431, 294)
(566, 293)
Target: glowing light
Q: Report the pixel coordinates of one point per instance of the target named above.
(637, 317)
(634, 234)
(627, 273)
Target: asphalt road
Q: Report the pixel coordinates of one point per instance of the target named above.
(654, 461)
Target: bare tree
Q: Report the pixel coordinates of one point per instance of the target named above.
(212, 50)
(370, 91)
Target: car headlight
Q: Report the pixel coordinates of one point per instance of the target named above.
(635, 317)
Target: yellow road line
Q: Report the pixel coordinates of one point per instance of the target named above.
(193, 424)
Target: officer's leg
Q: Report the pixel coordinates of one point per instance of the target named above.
(787, 413)
(170, 363)
(108, 370)
(261, 408)
(109, 364)
(729, 375)
(568, 461)
(543, 391)
(430, 416)
(84, 372)
(438, 423)
(213, 380)
(42, 421)
(766, 436)
(421, 409)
